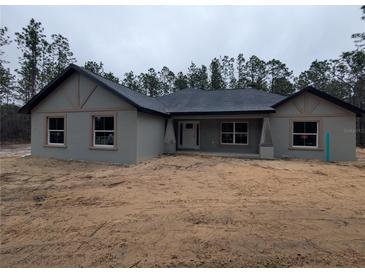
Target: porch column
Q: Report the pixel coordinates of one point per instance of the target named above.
(266, 145)
(170, 140)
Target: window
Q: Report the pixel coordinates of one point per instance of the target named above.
(103, 131)
(56, 131)
(234, 133)
(305, 134)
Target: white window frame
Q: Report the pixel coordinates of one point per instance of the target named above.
(56, 130)
(234, 133)
(98, 130)
(297, 133)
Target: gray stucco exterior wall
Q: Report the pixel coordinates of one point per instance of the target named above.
(78, 139)
(210, 134)
(78, 99)
(140, 136)
(340, 123)
(150, 136)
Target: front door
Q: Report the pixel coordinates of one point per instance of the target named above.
(189, 134)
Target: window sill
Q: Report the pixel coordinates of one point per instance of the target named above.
(306, 148)
(103, 148)
(55, 146)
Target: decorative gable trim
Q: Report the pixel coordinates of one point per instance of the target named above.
(359, 112)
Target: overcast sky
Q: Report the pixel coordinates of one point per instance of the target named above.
(136, 38)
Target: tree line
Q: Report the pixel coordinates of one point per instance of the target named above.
(223, 73)
(42, 58)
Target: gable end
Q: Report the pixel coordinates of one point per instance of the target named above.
(358, 111)
(67, 73)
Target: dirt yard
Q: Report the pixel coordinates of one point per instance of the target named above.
(183, 211)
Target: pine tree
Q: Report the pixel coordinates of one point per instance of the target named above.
(4, 41)
(31, 41)
(255, 73)
(110, 76)
(150, 83)
(216, 79)
(94, 67)
(6, 85)
(228, 75)
(131, 81)
(98, 68)
(181, 81)
(57, 57)
(198, 77)
(62, 53)
(241, 78)
(318, 75)
(279, 78)
(41, 61)
(6, 78)
(167, 80)
(193, 76)
(46, 70)
(203, 81)
(349, 70)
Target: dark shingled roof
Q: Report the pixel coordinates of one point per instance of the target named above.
(233, 100)
(189, 101)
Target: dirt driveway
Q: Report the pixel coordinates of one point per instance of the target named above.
(182, 211)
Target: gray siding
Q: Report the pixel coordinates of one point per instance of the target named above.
(210, 135)
(150, 136)
(340, 123)
(78, 99)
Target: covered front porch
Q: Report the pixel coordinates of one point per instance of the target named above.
(241, 136)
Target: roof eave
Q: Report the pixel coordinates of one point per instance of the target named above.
(221, 112)
(150, 111)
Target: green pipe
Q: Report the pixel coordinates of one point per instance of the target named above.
(328, 153)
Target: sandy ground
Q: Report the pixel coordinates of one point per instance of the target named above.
(182, 211)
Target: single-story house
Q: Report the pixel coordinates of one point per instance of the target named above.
(81, 115)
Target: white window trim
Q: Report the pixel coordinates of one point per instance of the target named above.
(234, 133)
(297, 133)
(94, 131)
(56, 130)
